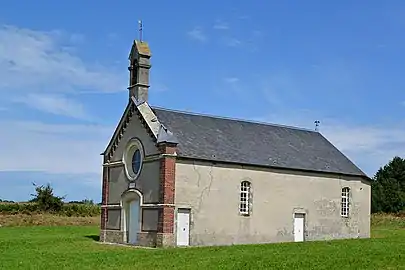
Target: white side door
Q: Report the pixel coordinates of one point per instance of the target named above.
(299, 221)
(183, 227)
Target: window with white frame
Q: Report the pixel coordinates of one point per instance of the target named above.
(244, 206)
(345, 202)
(132, 159)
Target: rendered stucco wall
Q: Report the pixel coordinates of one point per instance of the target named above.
(150, 219)
(212, 193)
(113, 221)
(147, 183)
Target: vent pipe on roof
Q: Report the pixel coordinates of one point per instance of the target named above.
(317, 122)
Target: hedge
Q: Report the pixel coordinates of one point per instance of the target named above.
(68, 209)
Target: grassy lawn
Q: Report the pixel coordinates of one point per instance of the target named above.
(74, 247)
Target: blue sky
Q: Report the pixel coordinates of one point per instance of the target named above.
(63, 70)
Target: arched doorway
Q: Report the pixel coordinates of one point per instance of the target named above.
(132, 201)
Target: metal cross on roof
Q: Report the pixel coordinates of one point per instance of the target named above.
(140, 30)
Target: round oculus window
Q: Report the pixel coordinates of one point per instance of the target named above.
(133, 157)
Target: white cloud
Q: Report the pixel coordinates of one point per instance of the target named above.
(235, 85)
(257, 34)
(197, 34)
(243, 17)
(220, 25)
(52, 148)
(37, 68)
(250, 42)
(231, 80)
(231, 42)
(43, 70)
(56, 104)
(44, 61)
(364, 138)
(368, 146)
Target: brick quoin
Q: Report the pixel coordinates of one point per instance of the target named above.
(167, 188)
(104, 199)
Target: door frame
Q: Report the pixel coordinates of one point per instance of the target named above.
(188, 211)
(126, 198)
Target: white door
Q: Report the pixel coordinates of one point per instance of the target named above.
(299, 221)
(183, 227)
(133, 222)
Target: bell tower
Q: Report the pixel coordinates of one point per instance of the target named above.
(139, 65)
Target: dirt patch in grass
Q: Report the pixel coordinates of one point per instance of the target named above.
(46, 220)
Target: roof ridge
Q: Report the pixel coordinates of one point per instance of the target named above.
(234, 119)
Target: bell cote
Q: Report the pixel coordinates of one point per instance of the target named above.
(139, 65)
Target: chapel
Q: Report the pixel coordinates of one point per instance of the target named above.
(175, 178)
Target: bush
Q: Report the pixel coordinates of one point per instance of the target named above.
(18, 208)
(46, 200)
(69, 210)
(80, 210)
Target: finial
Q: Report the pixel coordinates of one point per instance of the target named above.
(317, 122)
(140, 30)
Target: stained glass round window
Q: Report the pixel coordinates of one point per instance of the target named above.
(136, 161)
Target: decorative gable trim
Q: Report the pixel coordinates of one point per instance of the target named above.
(148, 120)
(148, 116)
(119, 132)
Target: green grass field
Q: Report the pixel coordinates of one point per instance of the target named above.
(74, 247)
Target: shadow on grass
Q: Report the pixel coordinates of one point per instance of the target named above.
(94, 237)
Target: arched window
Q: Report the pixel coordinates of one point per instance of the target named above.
(244, 206)
(344, 212)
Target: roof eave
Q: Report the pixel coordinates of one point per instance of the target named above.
(364, 176)
(116, 128)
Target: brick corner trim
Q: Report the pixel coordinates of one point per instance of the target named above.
(167, 188)
(104, 199)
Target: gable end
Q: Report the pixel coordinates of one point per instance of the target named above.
(121, 128)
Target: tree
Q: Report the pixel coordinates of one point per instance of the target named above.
(88, 202)
(85, 201)
(45, 198)
(6, 201)
(388, 187)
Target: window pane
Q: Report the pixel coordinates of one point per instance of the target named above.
(345, 202)
(136, 161)
(244, 197)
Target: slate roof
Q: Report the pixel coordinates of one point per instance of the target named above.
(245, 142)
